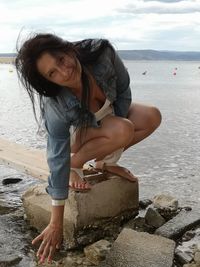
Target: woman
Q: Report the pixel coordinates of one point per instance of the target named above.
(85, 101)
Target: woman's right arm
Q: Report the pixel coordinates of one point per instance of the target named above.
(58, 158)
(51, 236)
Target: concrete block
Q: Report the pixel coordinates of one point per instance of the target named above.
(181, 223)
(139, 249)
(87, 215)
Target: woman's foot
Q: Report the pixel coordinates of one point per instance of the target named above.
(115, 170)
(77, 182)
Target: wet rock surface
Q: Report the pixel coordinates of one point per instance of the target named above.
(97, 252)
(7, 181)
(90, 216)
(165, 202)
(182, 222)
(132, 248)
(16, 234)
(153, 218)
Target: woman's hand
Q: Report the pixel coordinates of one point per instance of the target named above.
(51, 237)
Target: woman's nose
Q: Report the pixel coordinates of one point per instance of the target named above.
(64, 71)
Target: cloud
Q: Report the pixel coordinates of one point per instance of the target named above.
(161, 7)
(128, 24)
(164, 1)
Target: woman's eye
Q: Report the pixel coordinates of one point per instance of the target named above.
(61, 59)
(51, 74)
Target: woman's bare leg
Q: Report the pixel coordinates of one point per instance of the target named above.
(146, 120)
(114, 133)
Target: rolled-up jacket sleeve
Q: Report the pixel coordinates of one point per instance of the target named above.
(124, 97)
(58, 155)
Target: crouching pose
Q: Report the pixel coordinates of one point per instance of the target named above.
(86, 105)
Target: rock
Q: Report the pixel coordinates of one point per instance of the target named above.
(165, 202)
(79, 261)
(86, 214)
(191, 265)
(133, 248)
(4, 208)
(185, 251)
(7, 181)
(197, 257)
(9, 260)
(143, 203)
(153, 218)
(140, 225)
(97, 252)
(188, 235)
(183, 257)
(181, 223)
(67, 262)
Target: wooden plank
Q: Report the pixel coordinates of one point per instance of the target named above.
(22, 158)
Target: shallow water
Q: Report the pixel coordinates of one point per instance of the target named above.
(167, 161)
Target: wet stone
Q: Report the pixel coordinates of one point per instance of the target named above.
(132, 248)
(139, 224)
(7, 181)
(191, 265)
(168, 214)
(97, 252)
(188, 235)
(186, 250)
(183, 257)
(9, 260)
(143, 203)
(153, 218)
(197, 257)
(165, 202)
(181, 223)
(4, 209)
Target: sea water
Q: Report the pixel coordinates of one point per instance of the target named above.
(167, 161)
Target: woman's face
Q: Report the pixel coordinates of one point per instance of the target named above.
(62, 69)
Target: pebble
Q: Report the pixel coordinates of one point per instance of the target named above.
(7, 181)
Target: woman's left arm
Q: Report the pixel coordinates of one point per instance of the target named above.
(123, 91)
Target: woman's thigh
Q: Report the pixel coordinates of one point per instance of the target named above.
(144, 116)
(111, 127)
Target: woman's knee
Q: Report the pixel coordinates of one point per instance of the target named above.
(123, 131)
(155, 117)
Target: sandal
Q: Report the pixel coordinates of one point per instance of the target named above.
(88, 169)
(128, 175)
(77, 186)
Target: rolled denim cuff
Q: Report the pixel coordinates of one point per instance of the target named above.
(57, 193)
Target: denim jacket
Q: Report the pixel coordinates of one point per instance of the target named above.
(114, 80)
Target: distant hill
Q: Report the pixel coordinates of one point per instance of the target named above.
(158, 55)
(147, 55)
(7, 55)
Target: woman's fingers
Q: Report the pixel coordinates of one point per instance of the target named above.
(45, 252)
(51, 237)
(41, 248)
(38, 238)
(51, 253)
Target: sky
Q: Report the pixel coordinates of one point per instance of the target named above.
(128, 24)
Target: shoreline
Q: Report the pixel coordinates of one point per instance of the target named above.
(7, 60)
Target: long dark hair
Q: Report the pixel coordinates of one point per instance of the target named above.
(87, 51)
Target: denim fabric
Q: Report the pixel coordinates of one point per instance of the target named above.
(62, 112)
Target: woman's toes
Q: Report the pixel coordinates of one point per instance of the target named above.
(87, 186)
(72, 184)
(77, 185)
